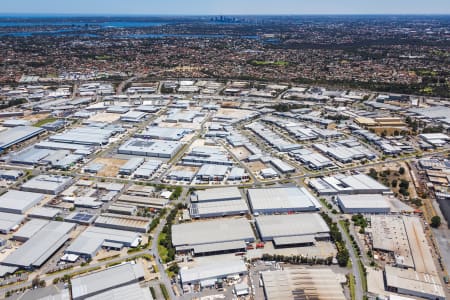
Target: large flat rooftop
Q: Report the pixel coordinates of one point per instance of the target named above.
(282, 200)
(214, 231)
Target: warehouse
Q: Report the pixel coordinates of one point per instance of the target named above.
(303, 283)
(212, 173)
(163, 133)
(181, 175)
(89, 242)
(364, 204)
(281, 166)
(18, 202)
(218, 208)
(410, 282)
(207, 274)
(147, 169)
(88, 135)
(12, 175)
(47, 184)
(238, 174)
(292, 230)
(216, 194)
(80, 218)
(30, 156)
(122, 209)
(313, 160)
(133, 116)
(9, 222)
(142, 201)
(281, 200)
(42, 212)
(347, 184)
(122, 222)
(435, 139)
(78, 149)
(41, 246)
(121, 280)
(389, 235)
(212, 237)
(28, 230)
(17, 135)
(131, 165)
(152, 148)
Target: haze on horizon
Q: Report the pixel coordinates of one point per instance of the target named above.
(221, 7)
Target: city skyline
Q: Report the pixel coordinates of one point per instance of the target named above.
(232, 7)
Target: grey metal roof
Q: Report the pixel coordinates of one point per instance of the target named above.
(30, 229)
(46, 183)
(8, 221)
(102, 281)
(19, 201)
(216, 194)
(214, 231)
(89, 241)
(18, 134)
(215, 270)
(285, 198)
(290, 225)
(41, 246)
(129, 292)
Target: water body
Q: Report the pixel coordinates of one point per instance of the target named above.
(79, 23)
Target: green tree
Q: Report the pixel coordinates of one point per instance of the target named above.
(435, 221)
(401, 170)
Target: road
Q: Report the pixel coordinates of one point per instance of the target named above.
(353, 257)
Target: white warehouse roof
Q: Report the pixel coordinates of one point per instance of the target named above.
(283, 199)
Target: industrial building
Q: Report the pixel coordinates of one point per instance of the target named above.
(410, 282)
(28, 230)
(164, 133)
(181, 175)
(147, 169)
(122, 209)
(347, 184)
(11, 175)
(216, 194)
(122, 222)
(88, 135)
(207, 274)
(90, 241)
(17, 135)
(281, 200)
(131, 165)
(303, 283)
(47, 184)
(9, 222)
(364, 204)
(435, 139)
(218, 202)
(18, 202)
(292, 230)
(212, 237)
(152, 148)
(133, 116)
(117, 282)
(80, 218)
(212, 173)
(40, 246)
(42, 212)
(142, 201)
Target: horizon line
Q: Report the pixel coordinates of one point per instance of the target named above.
(7, 14)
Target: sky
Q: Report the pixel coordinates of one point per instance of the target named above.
(224, 7)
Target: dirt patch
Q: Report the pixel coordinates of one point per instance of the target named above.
(256, 166)
(111, 166)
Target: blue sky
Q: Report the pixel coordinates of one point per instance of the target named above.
(198, 7)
